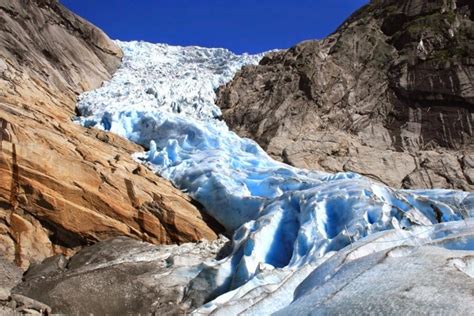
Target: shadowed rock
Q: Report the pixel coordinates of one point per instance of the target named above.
(119, 276)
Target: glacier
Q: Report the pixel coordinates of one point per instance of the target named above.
(286, 222)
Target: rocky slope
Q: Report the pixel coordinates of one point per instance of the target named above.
(63, 186)
(389, 95)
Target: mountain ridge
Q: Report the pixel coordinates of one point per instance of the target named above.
(389, 95)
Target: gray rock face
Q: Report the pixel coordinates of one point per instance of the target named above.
(119, 276)
(389, 95)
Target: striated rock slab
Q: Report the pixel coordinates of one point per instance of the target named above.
(63, 186)
(389, 95)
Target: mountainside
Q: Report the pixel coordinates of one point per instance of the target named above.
(389, 95)
(63, 186)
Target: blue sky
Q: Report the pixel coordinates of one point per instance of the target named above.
(239, 25)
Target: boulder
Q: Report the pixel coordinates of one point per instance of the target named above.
(120, 276)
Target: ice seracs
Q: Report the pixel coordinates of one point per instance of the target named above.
(159, 77)
(285, 221)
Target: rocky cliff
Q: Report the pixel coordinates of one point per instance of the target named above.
(63, 186)
(389, 95)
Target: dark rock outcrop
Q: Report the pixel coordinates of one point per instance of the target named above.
(389, 95)
(63, 186)
(118, 276)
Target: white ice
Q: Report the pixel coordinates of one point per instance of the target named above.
(283, 219)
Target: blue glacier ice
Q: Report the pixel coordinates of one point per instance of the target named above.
(283, 219)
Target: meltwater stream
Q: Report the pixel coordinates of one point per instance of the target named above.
(284, 219)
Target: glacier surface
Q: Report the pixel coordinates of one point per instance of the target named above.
(285, 221)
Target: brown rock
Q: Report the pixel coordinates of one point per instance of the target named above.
(390, 87)
(63, 186)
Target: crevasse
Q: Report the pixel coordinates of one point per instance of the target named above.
(283, 219)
